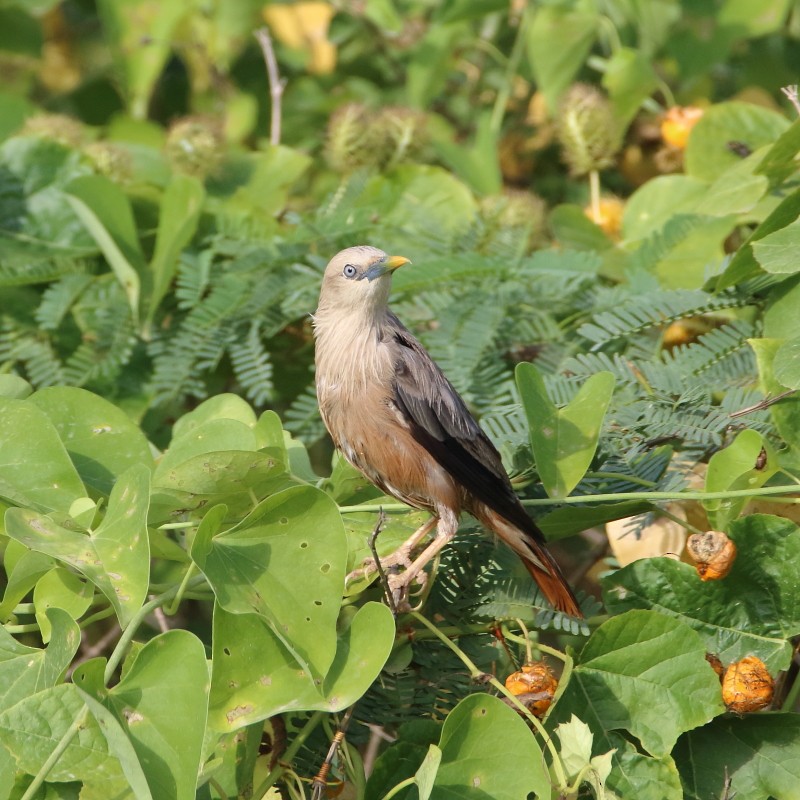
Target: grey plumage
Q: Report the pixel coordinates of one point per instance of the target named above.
(396, 417)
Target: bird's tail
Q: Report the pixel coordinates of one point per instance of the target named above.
(538, 561)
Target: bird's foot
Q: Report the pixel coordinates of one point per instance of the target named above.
(400, 558)
(398, 585)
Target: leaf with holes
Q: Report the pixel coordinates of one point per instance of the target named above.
(255, 677)
(115, 556)
(285, 562)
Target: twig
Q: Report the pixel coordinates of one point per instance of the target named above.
(276, 84)
(792, 93)
(762, 404)
(377, 734)
(373, 548)
(320, 782)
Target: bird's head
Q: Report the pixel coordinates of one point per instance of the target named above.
(358, 279)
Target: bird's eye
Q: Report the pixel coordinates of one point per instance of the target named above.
(349, 271)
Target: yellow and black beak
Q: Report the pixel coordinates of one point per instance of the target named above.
(384, 266)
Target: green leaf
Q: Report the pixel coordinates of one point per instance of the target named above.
(35, 469)
(220, 406)
(425, 776)
(558, 41)
(115, 556)
(488, 751)
(569, 520)
(129, 24)
(24, 671)
(563, 440)
(634, 774)
(744, 265)
(22, 577)
(645, 673)
(62, 589)
(736, 467)
(777, 252)
(629, 79)
(575, 752)
(786, 366)
(212, 436)
(230, 477)
(759, 753)
(475, 162)
(786, 414)
(255, 677)
(14, 388)
(707, 153)
(181, 205)
(106, 212)
(254, 567)
(99, 754)
(754, 610)
(650, 207)
(101, 439)
(779, 162)
(161, 702)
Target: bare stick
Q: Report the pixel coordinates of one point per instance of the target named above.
(319, 784)
(373, 546)
(765, 403)
(276, 84)
(792, 94)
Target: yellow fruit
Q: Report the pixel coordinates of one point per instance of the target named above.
(713, 553)
(678, 123)
(534, 685)
(747, 686)
(608, 215)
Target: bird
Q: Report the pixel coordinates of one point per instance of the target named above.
(397, 419)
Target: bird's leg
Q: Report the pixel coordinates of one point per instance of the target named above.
(447, 527)
(401, 556)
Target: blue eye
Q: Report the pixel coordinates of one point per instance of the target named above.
(349, 271)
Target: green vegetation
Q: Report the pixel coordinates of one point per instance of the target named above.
(602, 204)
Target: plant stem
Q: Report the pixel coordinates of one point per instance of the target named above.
(618, 497)
(173, 606)
(675, 518)
(501, 101)
(558, 767)
(594, 195)
(399, 788)
(288, 755)
(62, 745)
(276, 85)
(136, 621)
(104, 613)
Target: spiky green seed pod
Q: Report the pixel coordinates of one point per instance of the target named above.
(515, 212)
(358, 137)
(195, 146)
(396, 135)
(111, 160)
(58, 127)
(587, 130)
(347, 147)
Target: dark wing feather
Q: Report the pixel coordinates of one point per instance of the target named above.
(441, 422)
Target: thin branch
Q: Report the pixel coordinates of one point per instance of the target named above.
(276, 84)
(762, 404)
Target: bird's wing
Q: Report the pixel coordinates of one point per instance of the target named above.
(440, 421)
